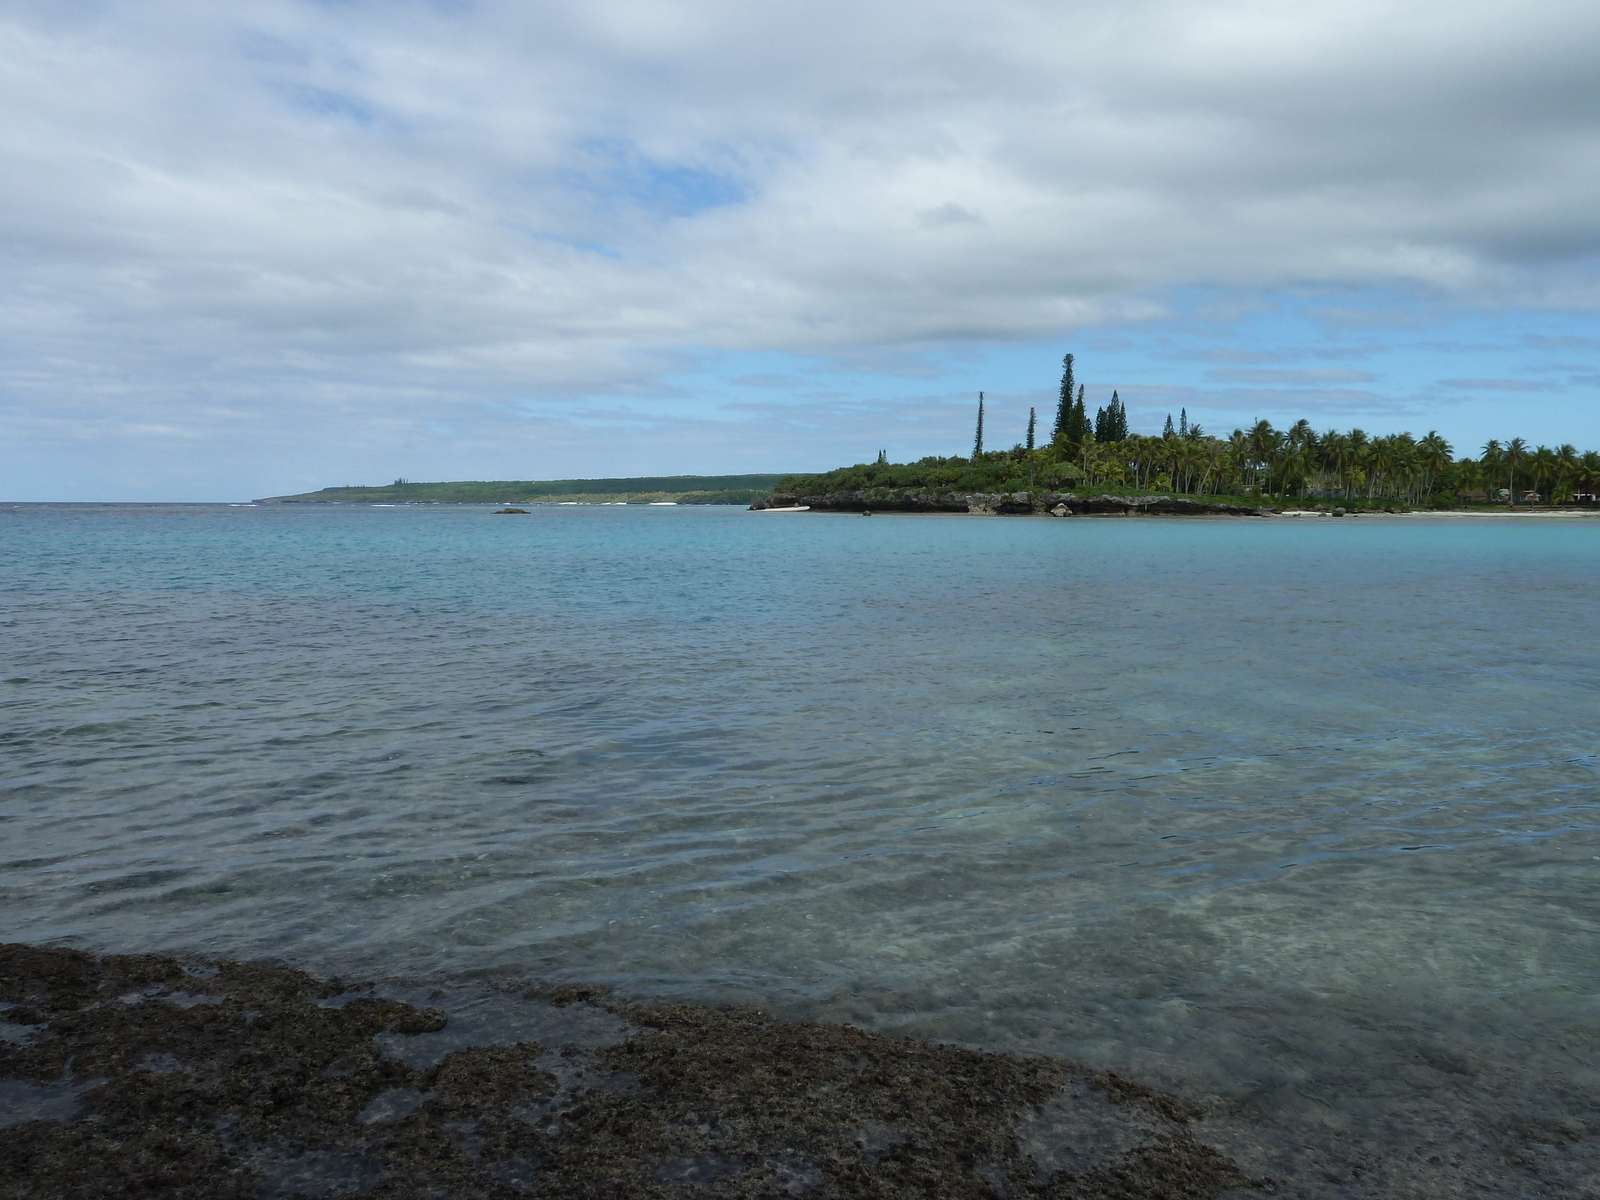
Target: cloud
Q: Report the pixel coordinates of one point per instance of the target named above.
(1147, 404)
(1306, 376)
(218, 218)
(947, 214)
(1499, 385)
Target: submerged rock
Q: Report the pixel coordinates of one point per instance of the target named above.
(288, 1085)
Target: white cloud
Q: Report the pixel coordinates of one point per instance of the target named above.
(329, 214)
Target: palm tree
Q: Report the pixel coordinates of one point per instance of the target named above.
(1587, 475)
(1294, 464)
(1239, 454)
(1403, 465)
(1543, 464)
(1516, 453)
(1567, 465)
(1179, 455)
(1380, 463)
(1195, 459)
(1433, 457)
(1328, 451)
(1216, 455)
(1132, 455)
(1469, 477)
(1262, 444)
(1112, 464)
(1334, 453)
(1358, 442)
(1493, 461)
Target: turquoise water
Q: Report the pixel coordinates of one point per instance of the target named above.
(1297, 815)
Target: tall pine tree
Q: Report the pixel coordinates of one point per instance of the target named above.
(977, 442)
(1064, 406)
(1117, 419)
(1032, 417)
(1078, 427)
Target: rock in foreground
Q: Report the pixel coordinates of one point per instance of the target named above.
(138, 1076)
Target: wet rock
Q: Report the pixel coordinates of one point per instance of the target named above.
(287, 1085)
(874, 1139)
(392, 1104)
(319, 1173)
(1082, 1130)
(698, 1169)
(507, 512)
(22, 1101)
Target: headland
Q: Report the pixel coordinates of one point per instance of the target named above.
(644, 489)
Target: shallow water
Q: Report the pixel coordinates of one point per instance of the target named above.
(1298, 813)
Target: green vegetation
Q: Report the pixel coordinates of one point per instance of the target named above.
(725, 496)
(1350, 467)
(682, 489)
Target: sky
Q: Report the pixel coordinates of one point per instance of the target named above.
(275, 245)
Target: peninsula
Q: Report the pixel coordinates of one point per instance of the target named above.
(1098, 465)
(644, 489)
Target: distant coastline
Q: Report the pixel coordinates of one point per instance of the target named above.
(644, 489)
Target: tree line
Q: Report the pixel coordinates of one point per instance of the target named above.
(1099, 451)
(1298, 461)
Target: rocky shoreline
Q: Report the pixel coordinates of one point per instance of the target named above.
(140, 1075)
(1056, 504)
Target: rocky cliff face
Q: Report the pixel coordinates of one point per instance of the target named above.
(1059, 504)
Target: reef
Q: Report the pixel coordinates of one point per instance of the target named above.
(142, 1075)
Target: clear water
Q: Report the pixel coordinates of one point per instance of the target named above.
(1302, 814)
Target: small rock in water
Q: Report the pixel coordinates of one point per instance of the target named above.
(502, 512)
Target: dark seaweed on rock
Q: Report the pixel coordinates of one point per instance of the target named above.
(260, 1081)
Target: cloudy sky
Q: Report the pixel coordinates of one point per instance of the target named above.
(272, 245)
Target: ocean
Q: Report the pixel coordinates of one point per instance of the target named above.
(1295, 818)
